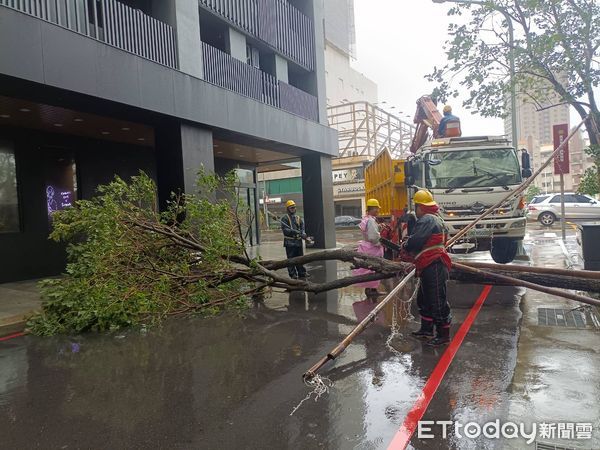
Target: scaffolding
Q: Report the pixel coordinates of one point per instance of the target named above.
(366, 130)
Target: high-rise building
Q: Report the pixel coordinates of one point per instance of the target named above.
(94, 89)
(535, 132)
(344, 84)
(534, 124)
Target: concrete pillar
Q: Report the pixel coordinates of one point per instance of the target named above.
(281, 69)
(317, 192)
(236, 43)
(183, 16)
(181, 150)
(317, 82)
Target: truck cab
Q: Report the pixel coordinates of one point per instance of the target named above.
(466, 176)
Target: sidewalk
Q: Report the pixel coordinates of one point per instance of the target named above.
(18, 300)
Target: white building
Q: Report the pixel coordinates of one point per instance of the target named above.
(343, 83)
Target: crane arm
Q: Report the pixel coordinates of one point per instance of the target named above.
(427, 116)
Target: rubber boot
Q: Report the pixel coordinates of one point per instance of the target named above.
(426, 330)
(442, 336)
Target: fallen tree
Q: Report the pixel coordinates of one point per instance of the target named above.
(579, 280)
(131, 264)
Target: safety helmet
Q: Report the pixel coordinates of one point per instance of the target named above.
(290, 203)
(423, 197)
(447, 109)
(373, 202)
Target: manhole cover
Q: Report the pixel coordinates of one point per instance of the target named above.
(561, 318)
(546, 446)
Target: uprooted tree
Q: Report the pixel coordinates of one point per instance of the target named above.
(132, 264)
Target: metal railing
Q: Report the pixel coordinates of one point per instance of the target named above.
(298, 102)
(225, 71)
(230, 73)
(366, 130)
(108, 21)
(243, 13)
(275, 22)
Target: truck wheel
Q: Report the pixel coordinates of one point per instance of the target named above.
(504, 250)
(547, 218)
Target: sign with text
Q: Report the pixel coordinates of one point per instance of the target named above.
(348, 175)
(561, 160)
(349, 190)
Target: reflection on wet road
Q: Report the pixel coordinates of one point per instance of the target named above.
(232, 382)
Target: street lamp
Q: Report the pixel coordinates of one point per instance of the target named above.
(511, 41)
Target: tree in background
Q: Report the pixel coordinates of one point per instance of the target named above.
(532, 191)
(589, 182)
(556, 51)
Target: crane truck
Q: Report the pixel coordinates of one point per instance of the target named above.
(466, 175)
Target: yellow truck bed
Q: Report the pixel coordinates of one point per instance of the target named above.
(385, 181)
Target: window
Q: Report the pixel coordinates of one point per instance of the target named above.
(538, 199)
(474, 168)
(252, 56)
(568, 199)
(582, 199)
(9, 201)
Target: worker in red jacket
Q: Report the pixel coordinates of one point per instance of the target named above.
(432, 262)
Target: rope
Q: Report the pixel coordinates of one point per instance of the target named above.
(401, 310)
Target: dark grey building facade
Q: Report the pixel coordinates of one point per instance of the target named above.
(94, 88)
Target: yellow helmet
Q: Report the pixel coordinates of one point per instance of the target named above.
(290, 203)
(423, 197)
(373, 202)
(447, 109)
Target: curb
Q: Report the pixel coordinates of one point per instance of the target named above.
(14, 324)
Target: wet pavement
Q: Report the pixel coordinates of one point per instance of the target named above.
(233, 381)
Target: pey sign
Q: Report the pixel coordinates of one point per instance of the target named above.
(561, 160)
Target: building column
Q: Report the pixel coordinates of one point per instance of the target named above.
(317, 192)
(184, 17)
(181, 151)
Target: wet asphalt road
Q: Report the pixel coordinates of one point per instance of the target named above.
(232, 382)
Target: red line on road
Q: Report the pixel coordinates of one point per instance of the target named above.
(402, 437)
(11, 336)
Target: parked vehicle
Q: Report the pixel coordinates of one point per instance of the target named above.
(346, 221)
(546, 208)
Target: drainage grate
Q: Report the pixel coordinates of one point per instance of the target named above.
(546, 446)
(561, 318)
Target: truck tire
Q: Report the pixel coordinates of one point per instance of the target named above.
(547, 218)
(504, 250)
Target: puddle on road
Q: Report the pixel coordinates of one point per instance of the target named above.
(230, 381)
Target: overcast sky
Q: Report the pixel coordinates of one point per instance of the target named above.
(398, 42)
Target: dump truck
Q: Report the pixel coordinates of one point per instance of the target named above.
(466, 175)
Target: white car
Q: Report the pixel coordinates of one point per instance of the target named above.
(546, 208)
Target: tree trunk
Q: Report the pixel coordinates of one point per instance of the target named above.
(549, 280)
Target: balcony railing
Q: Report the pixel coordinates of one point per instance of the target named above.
(230, 73)
(108, 21)
(275, 22)
(298, 102)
